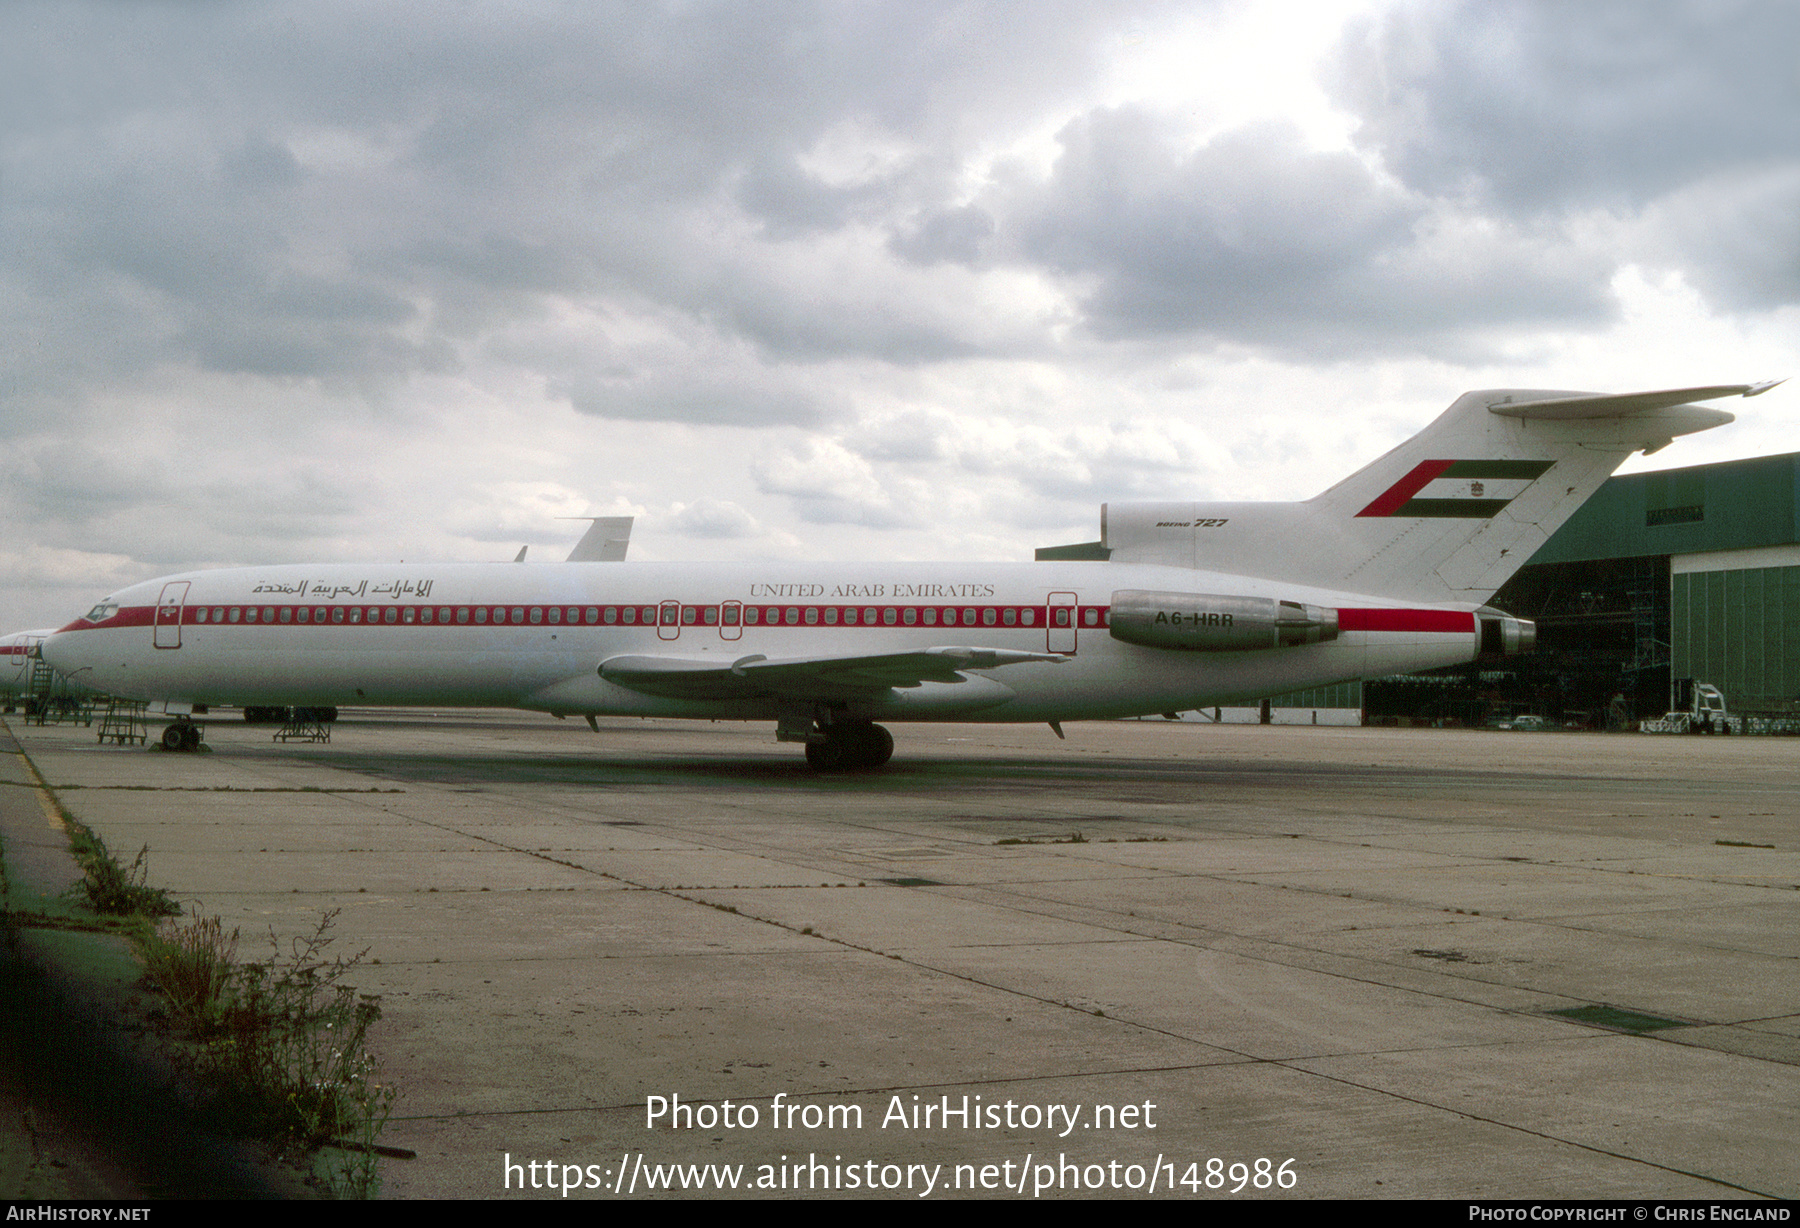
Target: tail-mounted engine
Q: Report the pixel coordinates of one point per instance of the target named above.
(1504, 635)
(1210, 622)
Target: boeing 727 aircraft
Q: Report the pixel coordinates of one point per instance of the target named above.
(1195, 604)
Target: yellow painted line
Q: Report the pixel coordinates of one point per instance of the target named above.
(46, 803)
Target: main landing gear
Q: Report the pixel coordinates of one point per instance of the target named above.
(182, 735)
(850, 745)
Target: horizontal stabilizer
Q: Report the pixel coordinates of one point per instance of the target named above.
(1618, 405)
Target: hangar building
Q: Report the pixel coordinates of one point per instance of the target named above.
(1684, 574)
(1660, 577)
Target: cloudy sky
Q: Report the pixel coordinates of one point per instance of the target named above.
(290, 282)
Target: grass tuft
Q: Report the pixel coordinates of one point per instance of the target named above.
(113, 890)
(281, 1041)
(192, 965)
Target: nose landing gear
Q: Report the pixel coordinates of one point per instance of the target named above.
(849, 746)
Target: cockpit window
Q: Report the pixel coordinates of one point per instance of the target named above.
(103, 611)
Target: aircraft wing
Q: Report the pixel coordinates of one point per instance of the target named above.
(818, 677)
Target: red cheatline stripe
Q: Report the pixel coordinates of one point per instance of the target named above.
(128, 616)
(691, 616)
(1406, 620)
(1423, 473)
(1445, 621)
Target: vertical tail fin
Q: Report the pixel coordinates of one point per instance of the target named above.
(606, 540)
(1449, 515)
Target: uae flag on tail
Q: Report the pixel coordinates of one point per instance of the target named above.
(1464, 489)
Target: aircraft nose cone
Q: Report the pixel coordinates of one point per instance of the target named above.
(62, 652)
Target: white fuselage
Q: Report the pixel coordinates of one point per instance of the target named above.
(534, 636)
(15, 661)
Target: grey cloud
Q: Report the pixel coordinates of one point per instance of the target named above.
(715, 518)
(836, 325)
(792, 203)
(261, 163)
(499, 262)
(958, 235)
(675, 396)
(908, 437)
(829, 484)
(61, 495)
(1737, 237)
(851, 512)
(1541, 105)
(300, 348)
(1254, 238)
(176, 172)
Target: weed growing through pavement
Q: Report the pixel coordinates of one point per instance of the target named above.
(111, 889)
(281, 1040)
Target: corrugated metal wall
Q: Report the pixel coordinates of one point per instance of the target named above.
(1740, 631)
(1343, 695)
(1728, 506)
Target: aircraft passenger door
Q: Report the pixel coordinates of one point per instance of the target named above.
(668, 624)
(1059, 623)
(168, 614)
(24, 662)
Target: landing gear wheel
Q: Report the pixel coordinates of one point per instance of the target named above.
(850, 745)
(173, 738)
(190, 737)
(874, 746)
(826, 756)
